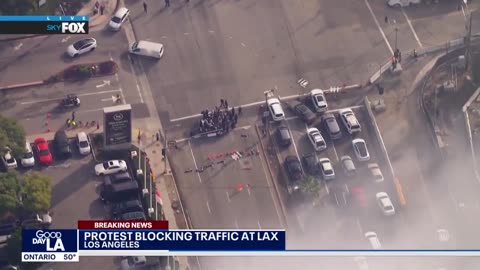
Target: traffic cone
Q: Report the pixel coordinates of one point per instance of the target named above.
(239, 187)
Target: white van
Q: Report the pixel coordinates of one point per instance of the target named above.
(83, 143)
(147, 48)
(402, 3)
(28, 159)
(275, 108)
(373, 239)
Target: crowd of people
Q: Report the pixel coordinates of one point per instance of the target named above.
(221, 119)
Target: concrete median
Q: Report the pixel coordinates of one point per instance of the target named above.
(22, 85)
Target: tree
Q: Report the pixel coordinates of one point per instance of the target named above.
(17, 7)
(14, 251)
(24, 195)
(311, 186)
(12, 135)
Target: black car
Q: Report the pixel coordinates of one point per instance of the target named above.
(126, 207)
(62, 144)
(117, 178)
(302, 111)
(294, 171)
(312, 164)
(283, 136)
(138, 215)
(70, 101)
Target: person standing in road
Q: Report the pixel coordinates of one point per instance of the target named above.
(145, 7)
(73, 115)
(226, 104)
(102, 9)
(167, 3)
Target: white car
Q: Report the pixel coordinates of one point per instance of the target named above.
(133, 262)
(326, 167)
(402, 3)
(373, 239)
(360, 149)
(120, 16)
(375, 172)
(319, 101)
(83, 143)
(110, 167)
(9, 161)
(316, 139)
(385, 204)
(28, 159)
(275, 108)
(82, 46)
(350, 121)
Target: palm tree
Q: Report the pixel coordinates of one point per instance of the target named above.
(311, 186)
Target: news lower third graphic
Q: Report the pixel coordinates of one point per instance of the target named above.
(44, 25)
(49, 246)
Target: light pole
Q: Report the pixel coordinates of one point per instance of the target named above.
(468, 36)
(396, 33)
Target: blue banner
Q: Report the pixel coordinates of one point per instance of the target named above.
(49, 241)
(179, 240)
(52, 18)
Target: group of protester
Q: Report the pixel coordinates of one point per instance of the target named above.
(221, 119)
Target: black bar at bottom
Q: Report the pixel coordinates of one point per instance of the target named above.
(43, 27)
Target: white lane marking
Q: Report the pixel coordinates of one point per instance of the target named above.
(300, 222)
(258, 223)
(123, 97)
(359, 226)
(335, 151)
(243, 44)
(344, 198)
(236, 224)
(211, 31)
(163, 37)
(208, 207)
(186, 33)
(112, 99)
(65, 39)
(379, 27)
(194, 162)
(80, 95)
(248, 190)
(411, 28)
(136, 79)
(16, 48)
(228, 196)
(105, 83)
(336, 198)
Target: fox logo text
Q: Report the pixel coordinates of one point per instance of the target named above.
(68, 28)
(51, 240)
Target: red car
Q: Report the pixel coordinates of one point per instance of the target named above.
(43, 150)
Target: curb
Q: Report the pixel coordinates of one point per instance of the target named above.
(21, 85)
(22, 37)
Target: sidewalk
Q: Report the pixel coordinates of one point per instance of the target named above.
(98, 21)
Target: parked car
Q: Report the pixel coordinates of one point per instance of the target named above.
(319, 101)
(402, 3)
(110, 167)
(302, 111)
(82, 46)
(331, 125)
(121, 208)
(8, 160)
(275, 108)
(70, 101)
(316, 139)
(294, 171)
(326, 167)
(133, 262)
(117, 178)
(373, 239)
(348, 165)
(83, 143)
(38, 221)
(117, 20)
(284, 137)
(360, 149)
(350, 121)
(385, 204)
(138, 215)
(62, 144)
(312, 164)
(375, 172)
(43, 150)
(120, 192)
(28, 159)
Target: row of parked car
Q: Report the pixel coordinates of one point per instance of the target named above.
(41, 148)
(120, 190)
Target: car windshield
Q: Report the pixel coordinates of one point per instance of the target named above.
(378, 176)
(389, 207)
(28, 155)
(319, 98)
(44, 152)
(320, 143)
(328, 172)
(83, 144)
(116, 19)
(79, 44)
(362, 149)
(106, 165)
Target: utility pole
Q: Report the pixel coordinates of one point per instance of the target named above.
(396, 33)
(468, 41)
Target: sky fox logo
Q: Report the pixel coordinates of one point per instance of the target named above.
(51, 240)
(68, 28)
